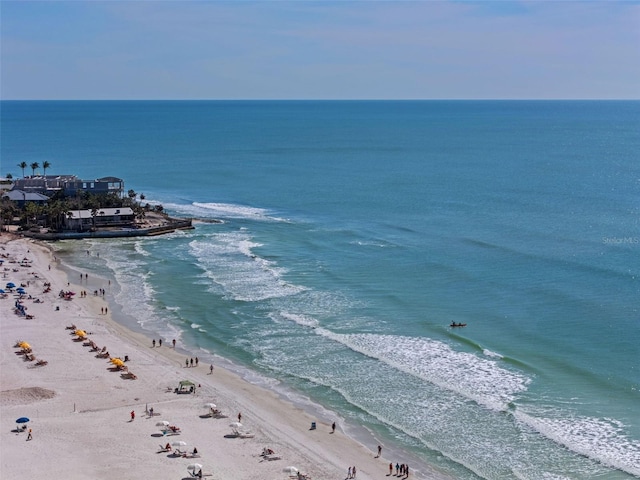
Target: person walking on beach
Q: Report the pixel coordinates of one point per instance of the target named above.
(353, 472)
(397, 468)
(239, 417)
(191, 362)
(333, 427)
(349, 473)
(154, 343)
(390, 469)
(196, 361)
(133, 415)
(174, 343)
(211, 369)
(379, 451)
(29, 437)
(160, 342)
(186, 362)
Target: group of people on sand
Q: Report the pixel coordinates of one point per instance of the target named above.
(189, 363)
(402, 470)
(153, 342)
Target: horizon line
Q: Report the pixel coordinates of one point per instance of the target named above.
(318, 99)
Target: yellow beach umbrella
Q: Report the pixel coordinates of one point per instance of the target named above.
(24, 345)
(81, 333)
(117, 362)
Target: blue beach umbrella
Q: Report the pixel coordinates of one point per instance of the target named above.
(22, 420)
(2, 291)
(20, 290)
(11, 285)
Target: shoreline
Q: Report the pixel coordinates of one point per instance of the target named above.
(104, 400)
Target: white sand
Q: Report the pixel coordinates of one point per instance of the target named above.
(80, 410)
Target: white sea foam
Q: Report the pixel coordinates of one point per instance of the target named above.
(476, 378)
(491, 354)
(601, 439)
(228, 260)
(136, 292)
(223, 210)
(300, 319)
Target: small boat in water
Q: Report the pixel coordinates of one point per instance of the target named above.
(454, 324)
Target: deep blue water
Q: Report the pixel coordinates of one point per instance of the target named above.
(355, 232)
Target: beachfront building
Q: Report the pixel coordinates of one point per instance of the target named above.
(21, 198)
(81, 220)
(70, 185)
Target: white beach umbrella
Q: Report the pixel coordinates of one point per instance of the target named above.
(210, 405)
(163, 423)
(194, 466)
(290, 470)
(236, 425)
(179, 444)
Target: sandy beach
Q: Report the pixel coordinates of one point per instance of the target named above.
(79, 405)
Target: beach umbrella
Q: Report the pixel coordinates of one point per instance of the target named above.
(210, 405)
(2, 291)
(290, 469)
(80, 333)
(194, 467)
(179, 444)
(235, 425)
(11, 285)
(22, 420)
(117, 362)
(24, 345)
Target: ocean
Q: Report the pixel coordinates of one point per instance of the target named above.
(353, 234)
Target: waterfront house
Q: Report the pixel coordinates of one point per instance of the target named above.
(70, 185)
(21, 198)
(80, 220)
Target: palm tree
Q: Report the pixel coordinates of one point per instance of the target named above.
(94, 212)
(22, 165)
(45, 165)
(34, 166)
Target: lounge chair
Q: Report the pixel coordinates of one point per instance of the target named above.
(272, 456)
(199, 474)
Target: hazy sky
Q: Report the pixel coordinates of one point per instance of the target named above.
(320, 50)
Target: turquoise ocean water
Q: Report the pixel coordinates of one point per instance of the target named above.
(354, 233)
